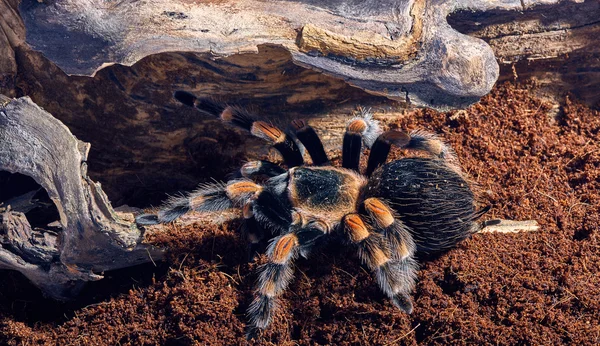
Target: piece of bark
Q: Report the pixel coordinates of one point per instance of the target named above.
(403, 50)
(554, 42)
(509, 226)
(92, 238)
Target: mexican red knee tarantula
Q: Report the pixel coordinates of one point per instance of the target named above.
(388, 214)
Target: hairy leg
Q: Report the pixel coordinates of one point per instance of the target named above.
(391, 261)
(208, 197)
(275, 275)
(239, 117)
(311, 141)
(416, 140)
(359, 130)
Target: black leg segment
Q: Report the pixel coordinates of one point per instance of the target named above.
(309, 138)
(239, 117)
(381, 148)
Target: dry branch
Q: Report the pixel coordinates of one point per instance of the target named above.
(90, 238)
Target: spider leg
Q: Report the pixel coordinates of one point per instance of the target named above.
(381, 148)
(311, 141)
(417, 140)
(388, 252)
(275, 275)
(254, 169)
(252, 231)
(241, 118)
(210, 197)
(358, 130)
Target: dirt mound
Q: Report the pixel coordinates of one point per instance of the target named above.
(530, 288)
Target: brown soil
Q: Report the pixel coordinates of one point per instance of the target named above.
(530, 288)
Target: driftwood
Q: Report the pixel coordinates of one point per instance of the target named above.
(509, 226)
(89, 237)
(555, 42)
(403, 50)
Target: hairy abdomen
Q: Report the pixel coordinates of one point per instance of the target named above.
(431, 199)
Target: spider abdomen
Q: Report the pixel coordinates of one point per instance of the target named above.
(431, 199)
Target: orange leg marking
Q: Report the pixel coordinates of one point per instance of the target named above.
(247, 211)
(283, 249)
(268, 288)
(357, 126)
(237, 190)
(403, 251)
(379, 211)
(227, 114)
(266, 131)
(379, 258)
(196, 202)
(356, 228)
(298, 124)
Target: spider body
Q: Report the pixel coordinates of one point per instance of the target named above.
(387, 214)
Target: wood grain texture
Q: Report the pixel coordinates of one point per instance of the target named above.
(404, 50)
(92, 237)
(555, 42)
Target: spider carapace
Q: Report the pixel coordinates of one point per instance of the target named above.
(389, 214)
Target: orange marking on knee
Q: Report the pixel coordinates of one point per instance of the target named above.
(251, 166)
(247, 211)
(263, 130)
(296, 218)
(379, 211)
(236, 190)
(321, 225)
(283, 249)
(403, 251)
(357, 126)
(227, 114)
(298, 124)
(268, 289)
(396, 138)
(356, 227)
(379, 257)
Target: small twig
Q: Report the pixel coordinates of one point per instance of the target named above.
(576, 204)
(230, 277)
(184, 257)
(345, 272)
(150, 255)
(546, 195)
(403, 336)
(509, 226)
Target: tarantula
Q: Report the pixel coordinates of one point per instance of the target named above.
(391, 212)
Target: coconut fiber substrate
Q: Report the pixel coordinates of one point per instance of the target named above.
(528, 288)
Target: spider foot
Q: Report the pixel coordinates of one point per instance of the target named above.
(403, 302)
(147, 219)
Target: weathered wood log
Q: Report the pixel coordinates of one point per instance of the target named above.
(403, 50)
(555, 42)
(89, 237)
